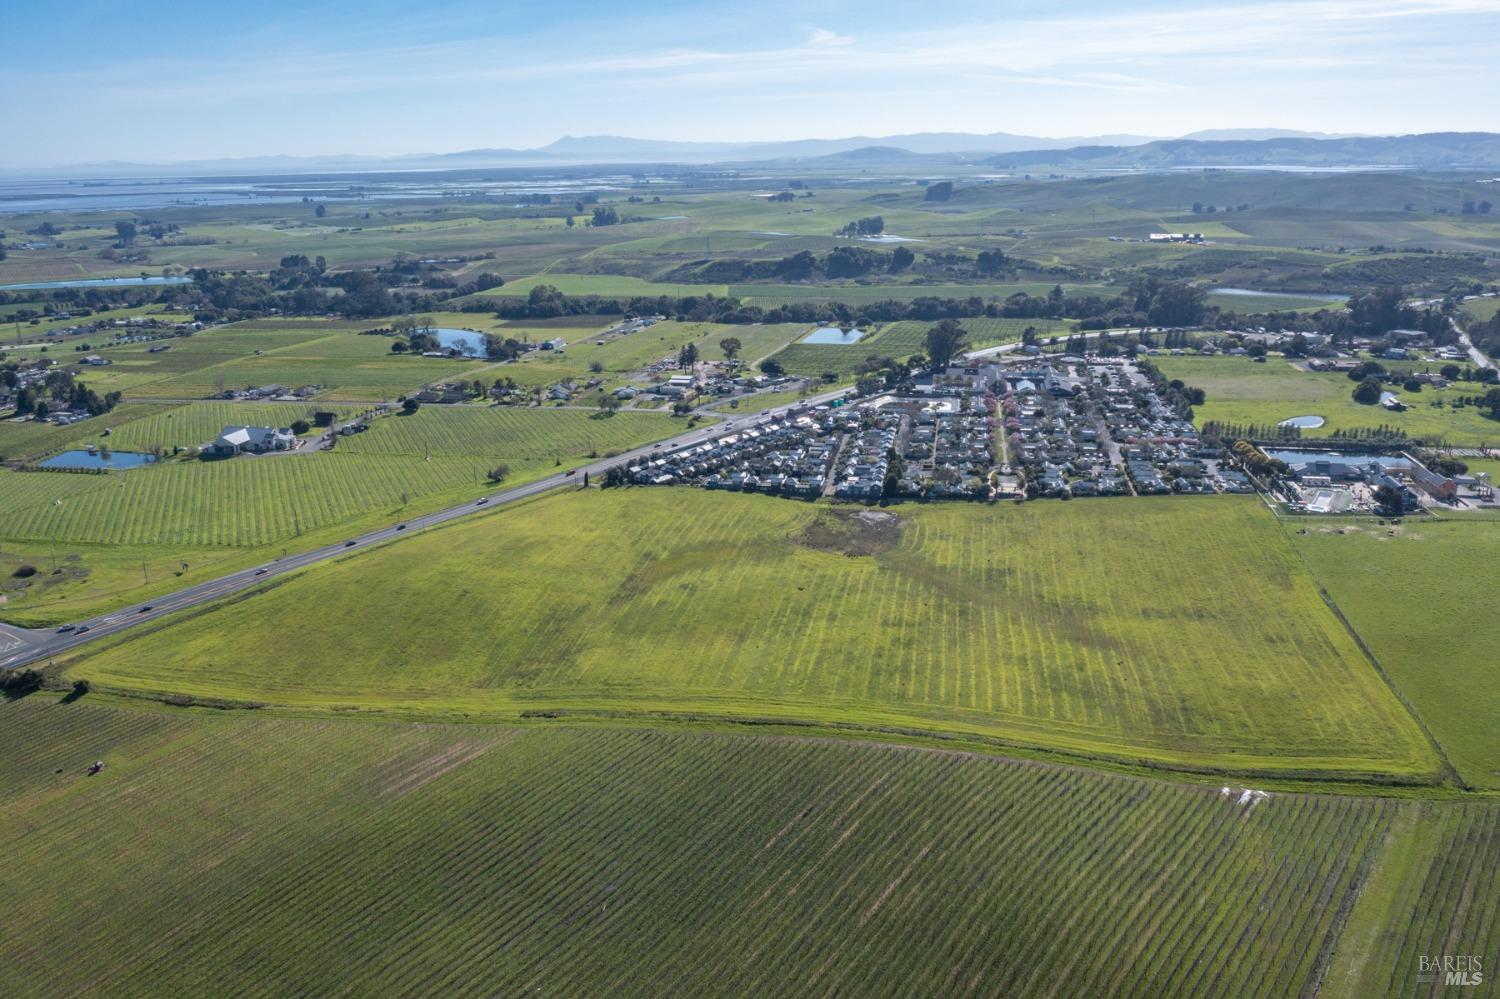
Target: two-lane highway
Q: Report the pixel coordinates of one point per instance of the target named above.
(19, 646)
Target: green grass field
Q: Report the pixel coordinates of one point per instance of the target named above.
(328, 857)
(1080, 628)
(901, 340)
(1242, 392)
(1408, 596)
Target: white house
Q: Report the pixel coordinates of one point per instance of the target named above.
(253, 440)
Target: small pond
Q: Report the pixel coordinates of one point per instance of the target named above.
(1305, 422)
(1314, 296)
(98, 459)
(466, 342)
(887, 237)
(832, 334)
(97, 283)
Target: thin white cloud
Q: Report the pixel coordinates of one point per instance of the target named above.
(823, 38)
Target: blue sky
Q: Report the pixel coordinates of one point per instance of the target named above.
(96, 80)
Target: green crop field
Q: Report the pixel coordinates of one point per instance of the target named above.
(328, 857)
(1404, 592)
(196, 423)
(102, 528)
(509, 432)
(1080, 628)
(250, 501)
(1241, 392)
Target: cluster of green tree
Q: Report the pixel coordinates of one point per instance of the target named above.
(872, 226)
(58, 390)
(1219, 433)
(1443, 464)
(1181, 397)
(941, 191)
(1486, 335)
(1257, 461)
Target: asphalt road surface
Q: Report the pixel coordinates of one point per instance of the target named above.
(19, 646)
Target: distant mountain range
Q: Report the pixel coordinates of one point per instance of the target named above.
(1431, 150)
(610, 149)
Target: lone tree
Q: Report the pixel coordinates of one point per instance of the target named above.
(410, 406)
(687, 356)
(609, 403)
(1368, 392)
(731, 346)
(320, 211)
(126, 231)
(771, 366)
(944, 341)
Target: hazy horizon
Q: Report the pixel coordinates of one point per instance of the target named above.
(99, 81)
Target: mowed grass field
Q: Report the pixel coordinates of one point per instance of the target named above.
(319, 857)
(1418, 600)
(1180, 631)
(1242, 392)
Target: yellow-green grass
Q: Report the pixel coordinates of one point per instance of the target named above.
(287, 855)
(1242, 392)
(1417, 599)
(1182, 631)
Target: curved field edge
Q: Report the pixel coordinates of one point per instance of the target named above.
(1078, 628)
(327, 855)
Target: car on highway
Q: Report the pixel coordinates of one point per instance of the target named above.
(400, 527)
(571, 471)
(66, 628)
(144, 609)
(261, 571)
(483, 501)
(81, 630)
(348, 544)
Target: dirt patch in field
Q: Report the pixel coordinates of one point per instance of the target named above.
(854, 533)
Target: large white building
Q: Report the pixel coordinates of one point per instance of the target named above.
(253, 440)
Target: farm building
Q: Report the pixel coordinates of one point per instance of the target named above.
(252, 440)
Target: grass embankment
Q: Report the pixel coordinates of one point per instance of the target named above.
(1178, 631)
(325, 856)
